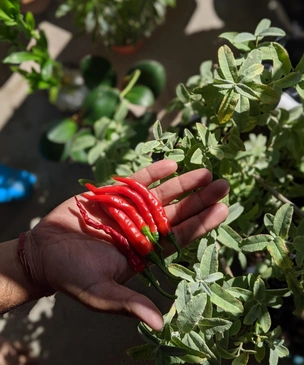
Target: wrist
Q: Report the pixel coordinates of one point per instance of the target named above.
(29, 252)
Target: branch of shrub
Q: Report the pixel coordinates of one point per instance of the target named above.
(279, 196)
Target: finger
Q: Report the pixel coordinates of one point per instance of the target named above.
(120, 299)
(156, 171)
(198, 225)
(197, 202)
(182, 184)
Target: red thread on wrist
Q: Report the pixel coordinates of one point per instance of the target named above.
(22, 256)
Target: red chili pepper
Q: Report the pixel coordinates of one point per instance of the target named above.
(120, 203)
(119, 241)
(122, 244)
(136, 199)
(137, 240)
(156, 208)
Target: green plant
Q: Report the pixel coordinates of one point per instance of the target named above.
(28, 44)
(105, 133)
(234, 280)
(117, 22)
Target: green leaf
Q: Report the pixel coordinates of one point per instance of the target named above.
(227, 106)
(30, 20)
(255, 243)
(62, 131)
(182, 93)
(223, 299)
(288, 81)
(253, 314)
(18, 57)
(260, 353)
(82, 142)
(213, 277)
(264, 319)
(187, 319)
(47, 70)
(272, 32)
(251, 72)
(95, 152)
(273, 357)
(282, 220)
(200, 356)
(280, 254)
(300, 65)
(263, 25)
(172, 350)
(209, 261)
(140, 95)
(244, 37)
(227, 64)
(177, 155)
(142, 353)
(103, 169)
(246, 91)
(184, 294)
(228, 237)
(265, 93)
(259, 290)
(182, 272)
(157, 130)
(235, 210)
(211, 326)
(100, 127)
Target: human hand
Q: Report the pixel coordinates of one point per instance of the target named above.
(79, 261)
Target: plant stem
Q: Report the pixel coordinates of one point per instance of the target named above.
(131, 83)
(278, 195)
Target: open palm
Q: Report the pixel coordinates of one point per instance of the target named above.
(81, 262)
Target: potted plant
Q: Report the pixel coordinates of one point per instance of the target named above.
(104, 133)
(235, 282)
(122, 25)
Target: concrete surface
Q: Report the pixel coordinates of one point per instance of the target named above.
(59, 330)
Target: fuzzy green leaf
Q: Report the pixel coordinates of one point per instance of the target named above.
(227, 106)
(192, 311)
(258, 242)
(259, 290)
(280, 254)
(142, 352)
(227, 64)
(224, 300)
(22, 56)
(253, 314)
(209, 261)
(244, 37)
(210, 326)
(228, 237)
(282, 220)
(263, 25)
(182, 272)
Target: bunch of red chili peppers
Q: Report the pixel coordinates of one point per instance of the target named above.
(143, 220)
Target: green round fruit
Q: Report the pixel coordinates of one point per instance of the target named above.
(153, 75)
(97, 71)
(100, 102)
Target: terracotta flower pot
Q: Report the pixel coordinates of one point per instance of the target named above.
(128, 49)
(34, 6)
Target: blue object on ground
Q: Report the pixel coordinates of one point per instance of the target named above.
(15, 184)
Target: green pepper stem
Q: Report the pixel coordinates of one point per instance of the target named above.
(154, 258)
(147, 273)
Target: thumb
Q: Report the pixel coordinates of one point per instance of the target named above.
(120, 299)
